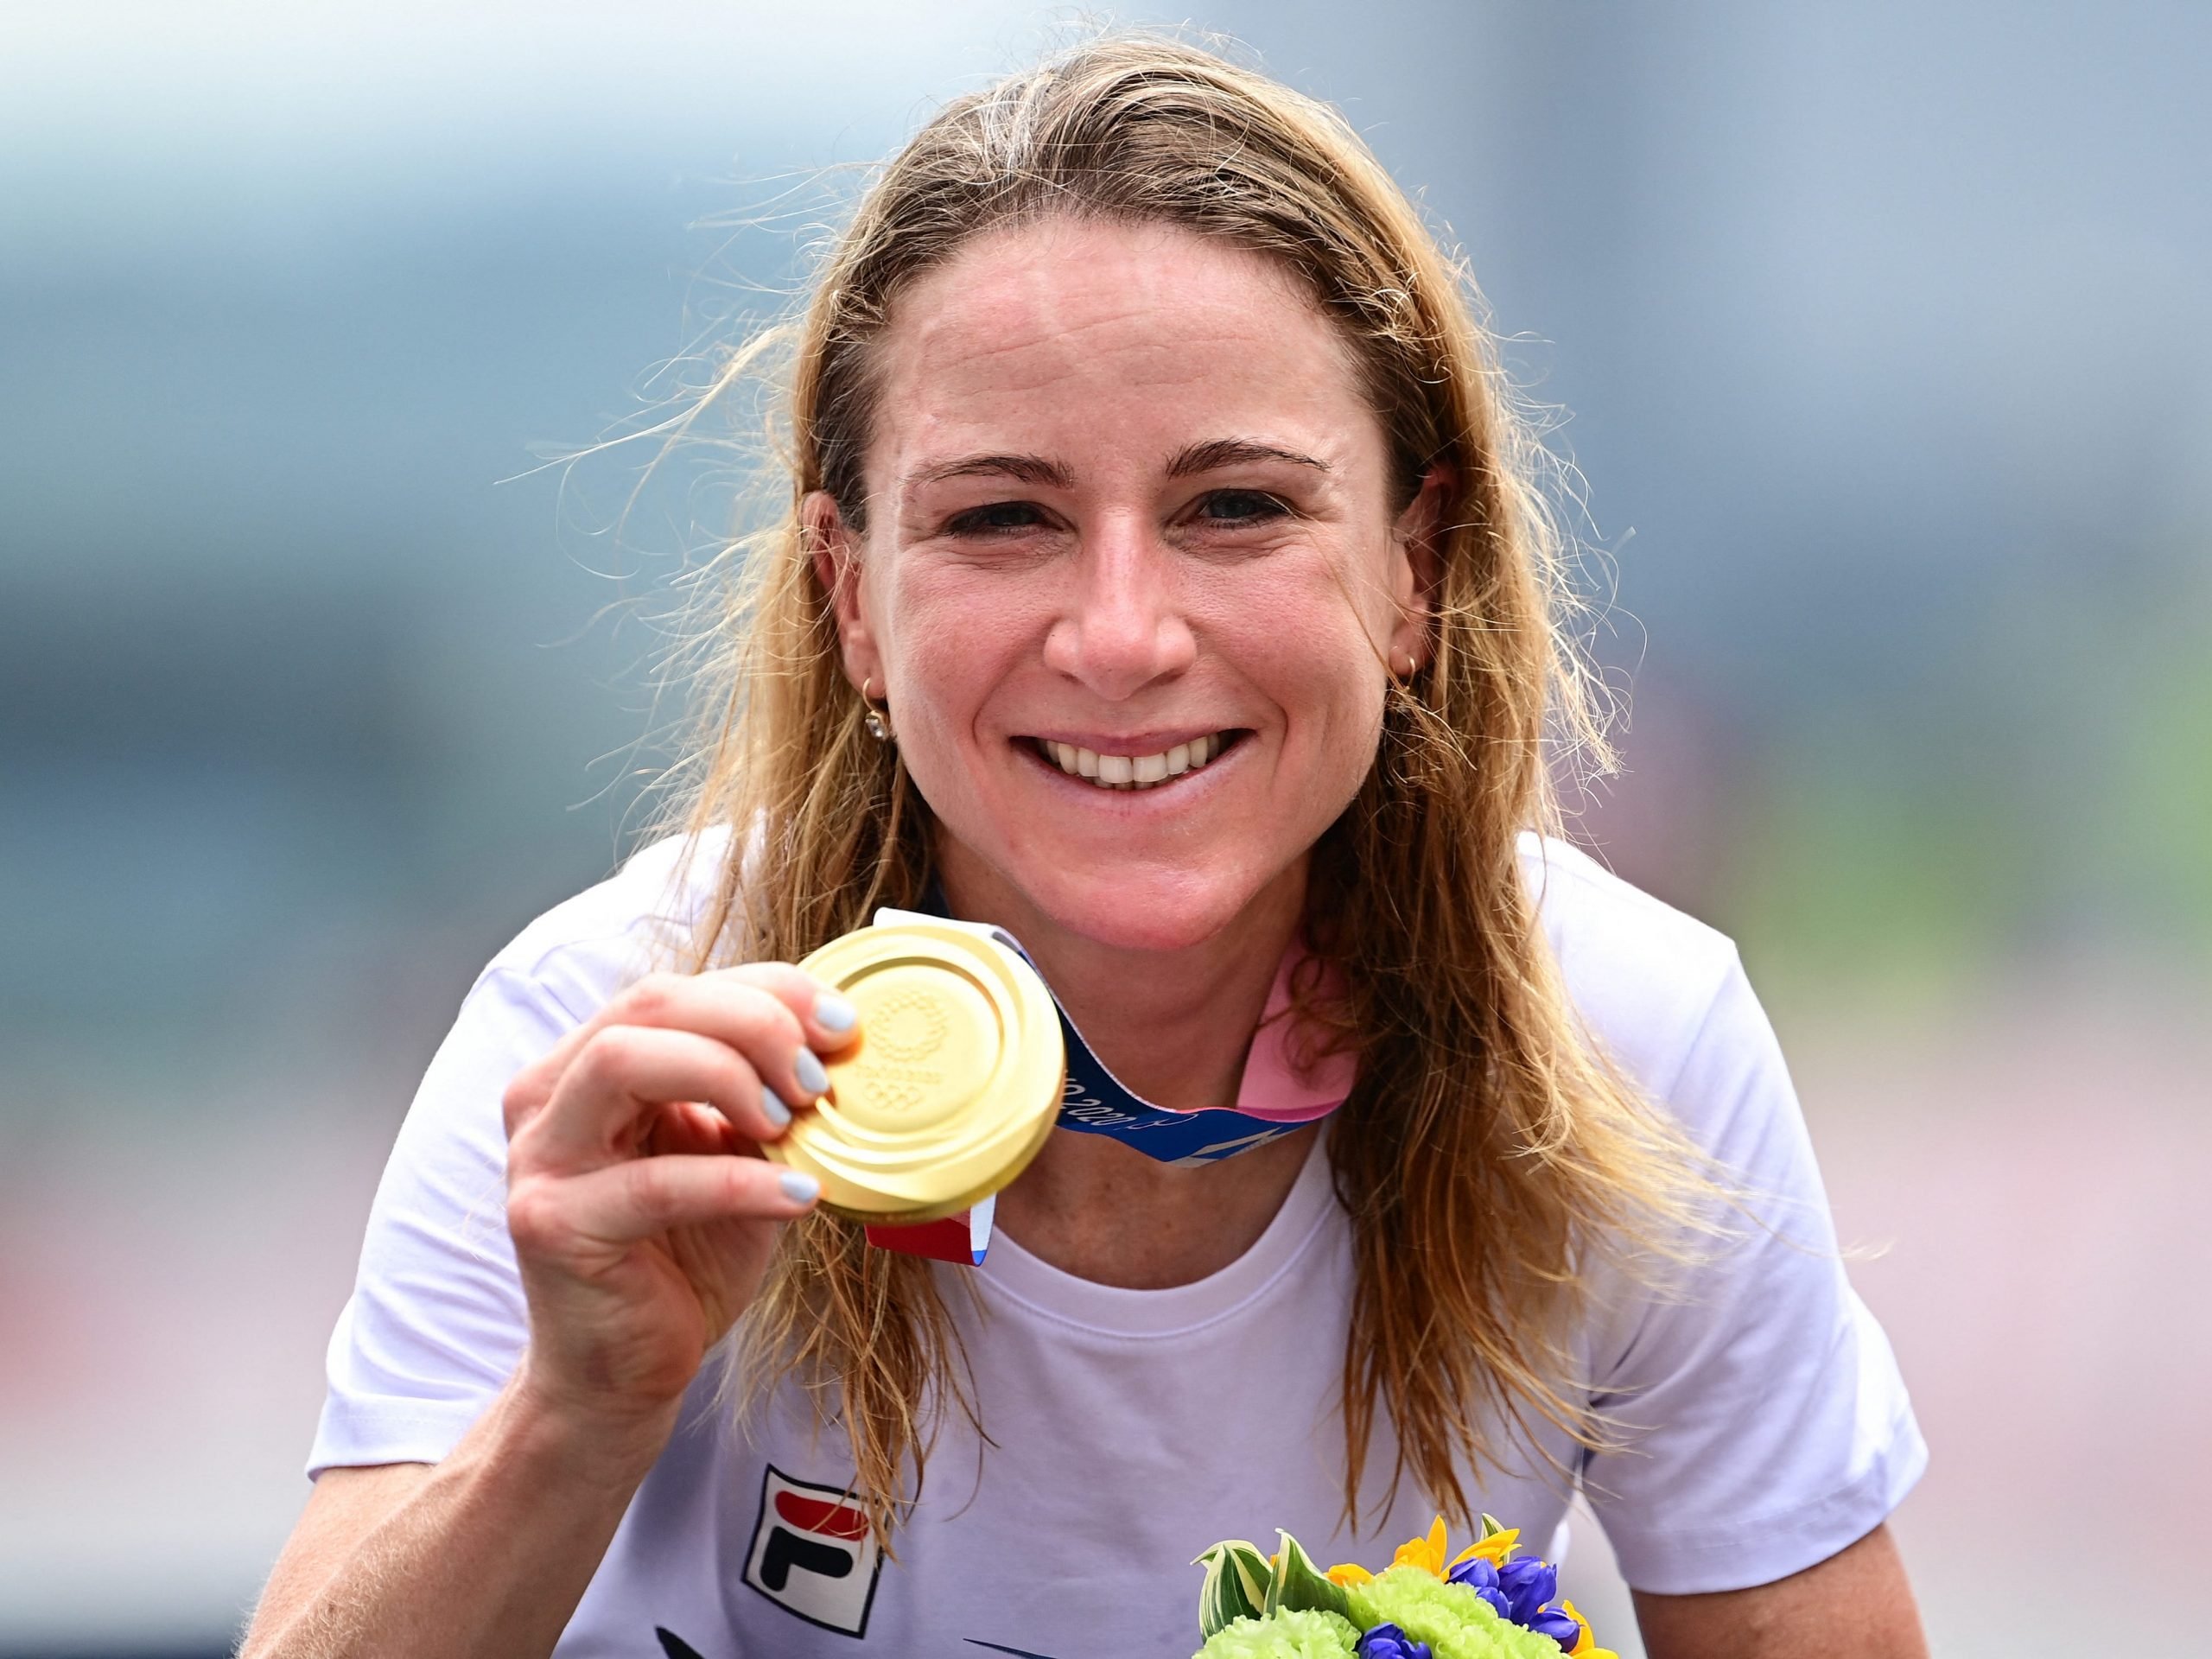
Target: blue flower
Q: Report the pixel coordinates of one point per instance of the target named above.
(1389, 1642)
(1528, 1585)
(1481, 1577)
(1563, 1628)
(1518, 1592)
(1476, 1573)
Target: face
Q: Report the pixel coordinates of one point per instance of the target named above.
(1131, 584)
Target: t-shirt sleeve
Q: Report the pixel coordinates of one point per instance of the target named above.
(1767, 1425)
(436, 1321)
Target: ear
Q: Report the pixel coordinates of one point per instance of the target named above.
(1417, 563)
(836, 551)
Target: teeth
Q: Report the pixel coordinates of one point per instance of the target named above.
(1134, 770)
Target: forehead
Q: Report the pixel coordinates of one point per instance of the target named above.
(1073, 333)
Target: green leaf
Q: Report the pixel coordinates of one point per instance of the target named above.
(1491, 1527)
(1235, 1585)
(1301, 1586)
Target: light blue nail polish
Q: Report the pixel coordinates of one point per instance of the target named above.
(835, 1012)
(798, 1186)
(773, 1106)
(812, 1077)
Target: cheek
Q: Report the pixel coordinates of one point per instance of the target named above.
(1305, 643)
(1324, 671)
(954, 636)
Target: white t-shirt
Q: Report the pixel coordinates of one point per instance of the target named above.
(1132, 1429)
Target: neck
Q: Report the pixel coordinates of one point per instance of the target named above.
(1174, 1026)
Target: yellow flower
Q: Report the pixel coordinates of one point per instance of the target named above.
(1496, 1549)
(1350, 1572)
(1585, 1645)
(1427, 1553)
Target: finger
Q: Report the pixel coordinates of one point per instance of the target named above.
(829, 1018)
(750, 1008)
(692, 1127)
(646, 1196)
(599, 1110)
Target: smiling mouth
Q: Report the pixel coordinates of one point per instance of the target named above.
(1134, 771)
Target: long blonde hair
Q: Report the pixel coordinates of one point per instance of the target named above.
(1488, 1149)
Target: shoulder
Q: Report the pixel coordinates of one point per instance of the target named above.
(586, 948)
(1644, 977)
(554, 976)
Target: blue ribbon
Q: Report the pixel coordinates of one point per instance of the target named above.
(1095, 1101)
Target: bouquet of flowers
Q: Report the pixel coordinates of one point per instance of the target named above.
(1482, 1603)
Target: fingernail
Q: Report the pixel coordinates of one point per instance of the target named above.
(798, 1186)
(833, 1012)
(773, 1106)
(812, 1077)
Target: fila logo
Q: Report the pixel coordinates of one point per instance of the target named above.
(813, 1552)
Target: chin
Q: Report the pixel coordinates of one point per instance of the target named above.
(1137, 909)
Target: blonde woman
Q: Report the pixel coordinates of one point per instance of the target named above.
(1163, 581)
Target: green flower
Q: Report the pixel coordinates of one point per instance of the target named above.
(1453, 1620)
(1285, 1636)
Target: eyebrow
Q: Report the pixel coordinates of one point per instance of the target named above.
(1030, 469)
(1210, 456)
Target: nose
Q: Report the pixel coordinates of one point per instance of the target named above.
(1122, 627)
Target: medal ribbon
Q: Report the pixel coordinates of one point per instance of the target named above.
(1275, 1096)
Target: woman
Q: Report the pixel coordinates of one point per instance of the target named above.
(1163, 583)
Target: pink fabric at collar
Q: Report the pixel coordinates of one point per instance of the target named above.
(1275, 1087)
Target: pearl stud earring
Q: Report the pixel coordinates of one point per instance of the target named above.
(878, 719)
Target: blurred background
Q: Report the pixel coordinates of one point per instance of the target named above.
(1878, 332)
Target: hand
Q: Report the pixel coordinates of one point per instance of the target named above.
(642, 1212)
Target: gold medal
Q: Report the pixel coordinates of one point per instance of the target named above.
(951, 1086)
